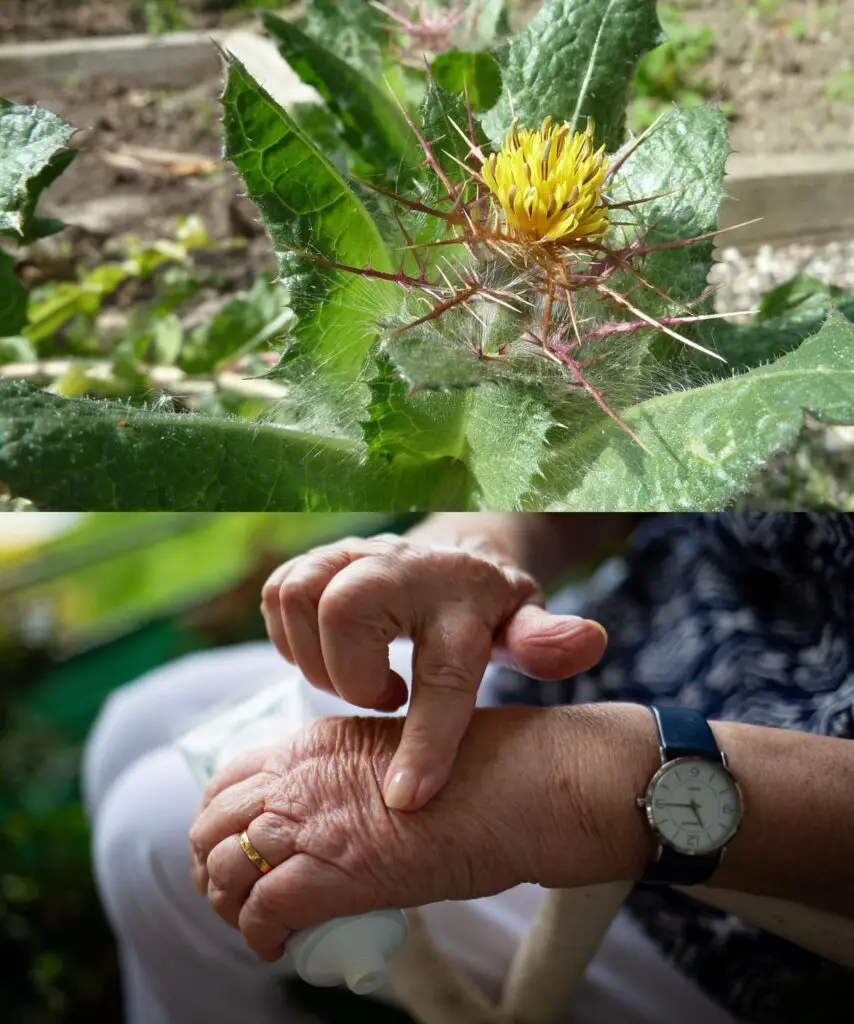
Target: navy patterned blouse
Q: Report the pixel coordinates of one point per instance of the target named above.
(747, 618)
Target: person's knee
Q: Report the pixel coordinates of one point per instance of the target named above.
(147, 713)
(141, 847)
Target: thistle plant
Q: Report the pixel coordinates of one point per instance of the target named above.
(534, 223)
(429, 27)
(499, 298)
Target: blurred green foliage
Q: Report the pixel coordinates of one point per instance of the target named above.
(161, 16)
(110, 331)
(80, 615)
(114, 570)
(671, 73)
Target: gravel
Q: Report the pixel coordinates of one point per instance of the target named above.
(741, 279)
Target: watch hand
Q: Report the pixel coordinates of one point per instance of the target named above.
(694, 807)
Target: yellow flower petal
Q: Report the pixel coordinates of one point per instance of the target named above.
(549, 183)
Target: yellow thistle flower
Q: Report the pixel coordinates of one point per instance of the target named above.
(549, 182)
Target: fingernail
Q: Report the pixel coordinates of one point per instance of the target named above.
(400, 790)
(599, 626)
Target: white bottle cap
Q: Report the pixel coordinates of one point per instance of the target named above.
(349, 950)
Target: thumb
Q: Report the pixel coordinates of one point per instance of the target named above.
(548, 646)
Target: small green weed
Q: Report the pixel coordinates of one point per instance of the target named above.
(670, 74)
(161, 16)
(839, 86)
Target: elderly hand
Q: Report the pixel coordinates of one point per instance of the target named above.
(334, 611)
(313, 809)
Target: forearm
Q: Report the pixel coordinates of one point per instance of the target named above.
(797, 838)
(796, 841)
(544, 545)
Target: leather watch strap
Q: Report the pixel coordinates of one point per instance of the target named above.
(683, 732)
(673, 868)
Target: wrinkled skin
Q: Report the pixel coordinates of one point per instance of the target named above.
(314, 809)
(334, 610)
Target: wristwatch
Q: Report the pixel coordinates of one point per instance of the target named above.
(692, 803)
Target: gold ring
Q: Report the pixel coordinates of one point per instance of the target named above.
(253, 854)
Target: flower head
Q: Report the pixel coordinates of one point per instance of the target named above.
(549, 182)
(430, 27)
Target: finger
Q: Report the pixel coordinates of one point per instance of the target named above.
(292, 593)
(242, 766)
(364, 608)
(228, 813)
(548, 646)
(231, 874)
(301, 893)
(271, 610)
(299, 597)
(451, 655)
(271, 607)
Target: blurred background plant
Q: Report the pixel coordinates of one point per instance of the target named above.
(159, 16)
(160, 320)
(673, 73)
(87, 603)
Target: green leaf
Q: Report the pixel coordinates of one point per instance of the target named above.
(13, 298)
(167, 337)
(241, 326)
(74, 454)
(426, 424)
(353, 29)
(670, 73)
(705, 445)
(324, 130)
(430, 359)
(307, 206)
(768, 336)
(458, 71)
(800, 296)
(16, 349)
(682, 160)
(371, 122)
(576, 59)
(438, 110)
(494, 414)
(33, 153)
(507, 430)
(492, 22)
(54, 306)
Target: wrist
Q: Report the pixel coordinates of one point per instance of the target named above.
(602, 757)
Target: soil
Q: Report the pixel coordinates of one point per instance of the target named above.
(771, 61)
(62, 19)
(101, 201)
(788, 75)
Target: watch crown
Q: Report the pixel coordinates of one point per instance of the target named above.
(640, 802)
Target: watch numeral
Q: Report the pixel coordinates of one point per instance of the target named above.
(692, 840)
(695, 772)
(726, 809)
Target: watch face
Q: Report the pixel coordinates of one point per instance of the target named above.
(694, 805)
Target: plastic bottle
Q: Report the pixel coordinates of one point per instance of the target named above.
(352, 951)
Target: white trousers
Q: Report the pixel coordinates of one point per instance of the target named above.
(181, 963)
